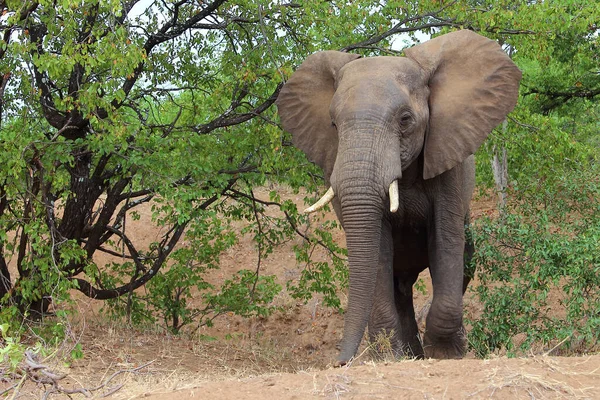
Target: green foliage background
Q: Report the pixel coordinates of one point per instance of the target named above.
(110, 104)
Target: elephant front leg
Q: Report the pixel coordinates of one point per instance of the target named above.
(407, 325)
(445, 336)
(384, 335)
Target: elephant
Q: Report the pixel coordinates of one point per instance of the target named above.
(395, 137)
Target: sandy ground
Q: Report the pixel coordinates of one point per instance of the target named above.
(533, 378)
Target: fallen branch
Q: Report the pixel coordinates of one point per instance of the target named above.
(31, 369)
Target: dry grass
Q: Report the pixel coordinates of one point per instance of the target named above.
(536, 386)
(553, 365)
(540, 385)
(337, 385)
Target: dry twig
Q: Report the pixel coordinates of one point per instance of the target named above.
(31, 369)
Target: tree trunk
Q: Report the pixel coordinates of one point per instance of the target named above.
(5, 283)
(500, 170)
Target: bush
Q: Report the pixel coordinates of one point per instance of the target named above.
(539, 262)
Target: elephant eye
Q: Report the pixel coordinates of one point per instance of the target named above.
(406, 119)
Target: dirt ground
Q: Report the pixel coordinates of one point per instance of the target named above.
(289, 354)
(535, 378)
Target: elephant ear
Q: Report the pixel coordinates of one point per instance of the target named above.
(303, 105)
(473, 86)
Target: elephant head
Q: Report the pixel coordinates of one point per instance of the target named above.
(365, 121)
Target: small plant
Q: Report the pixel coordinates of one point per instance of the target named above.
(12, 350)
(381, 347)
(420, 286)
(537, 282)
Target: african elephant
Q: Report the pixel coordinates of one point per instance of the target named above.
(395, 137)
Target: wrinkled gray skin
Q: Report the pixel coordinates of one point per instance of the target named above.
(416, 119)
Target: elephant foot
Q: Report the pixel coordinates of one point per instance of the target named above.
(414, 351)
(397, 349)
(343, 360)
(346, 355)
(340, 363)
(453, 347)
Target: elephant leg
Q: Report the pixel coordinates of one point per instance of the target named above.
(407, 325)
(444, 332)
(445, 335)
(383, 322)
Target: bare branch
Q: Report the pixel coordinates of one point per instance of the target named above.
(171, 29)
(401, 27)
(236, 194)
(229, 118)
(32, 369)
(164, 250)
(135, 255)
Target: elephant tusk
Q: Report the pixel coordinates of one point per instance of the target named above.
(327, 197)
(394, 198)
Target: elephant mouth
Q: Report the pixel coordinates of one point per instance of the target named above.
(330, 194)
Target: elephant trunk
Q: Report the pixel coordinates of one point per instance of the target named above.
(362, 224)
(367, 163)
(362, 199)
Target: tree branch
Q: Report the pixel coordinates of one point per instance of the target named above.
(582, 93)
(236, 194)
(229, 118)
(399, 28)
(43, 82)
(163, 252)
(171, 29)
